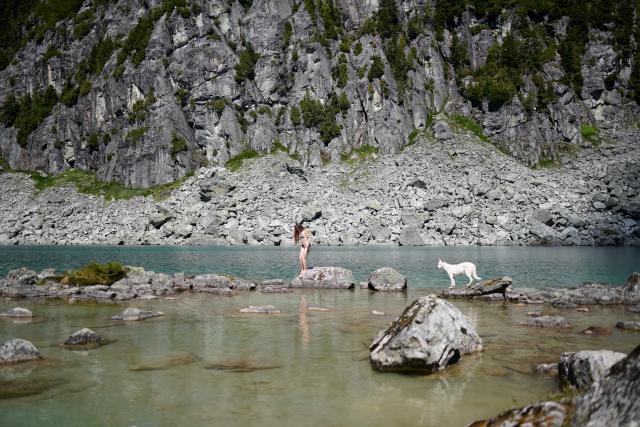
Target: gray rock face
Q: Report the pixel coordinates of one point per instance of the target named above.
(631, 288)
(547, 414)
(83, 337)
(387, 279)
(615, 399)
(428, 336)
(583, 368)
(18, 313)
(134, 314)
(18, 350)
(547, 322)
(325, 277)
(22, 276)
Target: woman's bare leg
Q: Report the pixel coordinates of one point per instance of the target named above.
(303, 259)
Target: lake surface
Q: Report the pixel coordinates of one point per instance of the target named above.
(528, 266)
(155, 373)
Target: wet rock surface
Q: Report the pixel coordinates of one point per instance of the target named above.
(161, 362)
(239, 366)
(615, 399)
(387, 279)
(629, 325)
(133, 314)
(325, 278)
(583, 368)
(547, 414)
(83, 337)
(428, 336)
(18, 350)
(485, 287)
(17, 313)
(547, 322)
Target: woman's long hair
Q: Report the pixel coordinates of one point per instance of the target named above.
(297, 229)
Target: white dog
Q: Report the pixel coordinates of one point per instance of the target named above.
(466, 268)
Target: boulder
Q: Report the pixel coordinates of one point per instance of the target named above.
(441, 131)
(133, 314)
(547, 322)
(325, 277)
(547, 414)
(387, 279)
(158, 219)
(630, 325)
(597, 330)
(581, 369)
(428, 336)
(615, 399)
(18, 350)
(410, 236)
(485, 287)
(18, 313)
(83, 337)
(631, 289)
(22, 276)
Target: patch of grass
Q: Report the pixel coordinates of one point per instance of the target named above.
(87, 182)
(469, 124)
(413, 137)
(234, 163)
(135, 135)
(590, 133)
(546, 163)
(363, 152)
(217, 104)
(96, 274)
(278, 146)
(178, 145)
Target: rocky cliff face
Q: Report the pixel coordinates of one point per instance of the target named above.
(146, 91)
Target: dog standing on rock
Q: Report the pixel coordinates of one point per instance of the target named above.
(466, 268)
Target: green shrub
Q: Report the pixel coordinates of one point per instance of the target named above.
(357, 50)
(84, 88)
(178, 145)
(86, 182)
(321, 117)
(234, 163)
(96, 274)
(287, 33)
(50, 53)
(294, 115)
(469, 124)
(340, 74)
(217, 104)
(135, 135)
(590, 133)
(182, 95)
(377, 68)
(245, 68)
(83, 22)
(28, 112)
(330, 18)
(93, 143)
(277, 146)
(413, 137)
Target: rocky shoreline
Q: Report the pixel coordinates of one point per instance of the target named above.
(461, 191)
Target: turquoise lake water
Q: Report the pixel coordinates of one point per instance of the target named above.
(159, 372)
(527, 266)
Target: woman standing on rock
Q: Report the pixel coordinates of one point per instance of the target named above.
(303, 236)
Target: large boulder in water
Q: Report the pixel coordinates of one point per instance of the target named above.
(387, 279)
(18, 313)
(83, 337)
(498, 285)
(547, 414)
(631, 289)
(581, 369)
(18, 350)
(325, 277)
(22, 276)
(615, 399)
(428, 336)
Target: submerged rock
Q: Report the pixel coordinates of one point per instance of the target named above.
(133, 314)
(581, 369)
(597, 330)
(542, 414)
(629, 325)
(27, 387)
(485, 287)
(18, 350)
(547, 322)
(83, 337)
(634, 309)
(387, 279)
(18, 313)
(325, 277)
(428, 336)
(261, 309)
(615, 399)
(239, 366)
(167, 361)
(546, 368)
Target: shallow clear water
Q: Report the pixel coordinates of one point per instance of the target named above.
(319, 370)
(528, 266)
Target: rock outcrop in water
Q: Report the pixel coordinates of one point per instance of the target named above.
(387, 279)
(17, 313)
(325, 278)
(134, 314)
(476, 289)
(547, 322)
(18, 350)
(615, 399)
(543, 414)
(583, 368)
(428, 336)
(83, 338)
